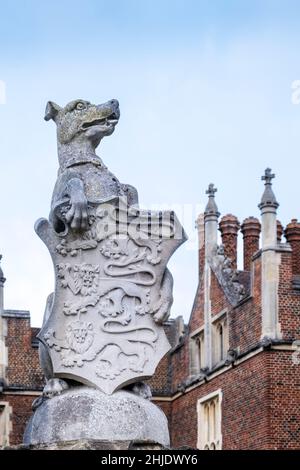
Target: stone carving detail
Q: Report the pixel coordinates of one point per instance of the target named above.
(227, 276)
(109, 297)
(84, 280)
(103, 326)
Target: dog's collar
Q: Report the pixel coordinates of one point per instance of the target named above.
(80, 161)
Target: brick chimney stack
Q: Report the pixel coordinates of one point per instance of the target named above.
(292, 235)
(251, 230)
(229, 227)
(279, 231)
(201, 242)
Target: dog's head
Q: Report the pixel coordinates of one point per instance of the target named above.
(82, 120)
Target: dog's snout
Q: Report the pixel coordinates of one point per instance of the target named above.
(114, 103)
(110, 108)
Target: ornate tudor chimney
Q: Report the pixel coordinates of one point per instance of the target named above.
(229, 227)
(251, 230)
(292, 235)
(201, 243)
(279, 231)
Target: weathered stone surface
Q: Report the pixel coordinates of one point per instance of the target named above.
(84, 413)
(103, 324)
(90, 444)
(228, 277)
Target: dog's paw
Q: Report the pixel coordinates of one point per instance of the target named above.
(77, 216)
(142, 389)
(54, 387)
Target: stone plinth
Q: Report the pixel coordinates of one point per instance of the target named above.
(92, 444)
(84, 413)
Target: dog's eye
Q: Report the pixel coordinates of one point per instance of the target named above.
(80, 106)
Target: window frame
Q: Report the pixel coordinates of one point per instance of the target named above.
(204, 421)
(220, 345)
(197, 351)
(5, 411)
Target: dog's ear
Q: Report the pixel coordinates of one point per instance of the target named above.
(52, 109)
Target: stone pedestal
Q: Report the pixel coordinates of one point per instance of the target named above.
(85, 413)
(103, 324)
(91, 444)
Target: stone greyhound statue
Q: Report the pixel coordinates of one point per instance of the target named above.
(82, 176)
(82, 179)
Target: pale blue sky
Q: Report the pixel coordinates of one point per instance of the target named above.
(205, 95)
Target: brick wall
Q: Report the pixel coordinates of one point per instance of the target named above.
(23, 364)
(261, 394)
(179, 365)
(160, 382)
(217, 297)
(285, 401)
(261, 399)
(19, 417)
(245, 319)
(197, 315)
(24, 377)
(245, 407)
(289, 300)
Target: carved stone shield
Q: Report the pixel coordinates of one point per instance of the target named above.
(111, 294)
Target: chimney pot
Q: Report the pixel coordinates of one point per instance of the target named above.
(201, 242)
(251, 231)
(292, 235)
(279, 231)
(229, 227)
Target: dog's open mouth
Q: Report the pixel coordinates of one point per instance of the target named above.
(110, 120)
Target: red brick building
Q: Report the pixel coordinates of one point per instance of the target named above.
(232, 377)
